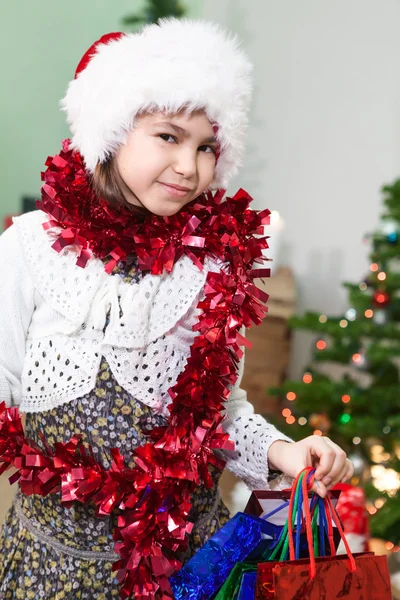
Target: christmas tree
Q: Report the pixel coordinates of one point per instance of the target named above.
(154, 10)
(351, 389)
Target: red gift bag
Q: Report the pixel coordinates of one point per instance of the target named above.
(361, 576)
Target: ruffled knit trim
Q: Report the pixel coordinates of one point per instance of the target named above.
(140, 313)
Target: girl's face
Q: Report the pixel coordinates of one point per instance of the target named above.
(167, 161)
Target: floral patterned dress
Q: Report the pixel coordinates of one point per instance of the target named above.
(53, 552)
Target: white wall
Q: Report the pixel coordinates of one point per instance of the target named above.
(324, 132)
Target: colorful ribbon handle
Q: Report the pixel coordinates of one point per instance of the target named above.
(315, 513)
(306, 480)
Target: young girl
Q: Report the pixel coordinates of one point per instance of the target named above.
(124, 303)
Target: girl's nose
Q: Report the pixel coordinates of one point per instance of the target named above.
(186, 163)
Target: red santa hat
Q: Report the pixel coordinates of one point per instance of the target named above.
(174, 64)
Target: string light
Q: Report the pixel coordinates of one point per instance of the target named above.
(286, 412)
(374, 267)
(385, 480)
(360, 360)
(302, 421)
(290, 420)
(321, 344)
(381, 276)
(307, 378)
(378, 454)
(369, 313)
(380, 317)
(343, 323)
(346, 398)
(351, 314)
(345, 418)
(356, 440)
(323, 319)
(386, 429)
(291, 396)
(274, 217)
(372, 510)
(317, 432)
(379, 502)
(381, 298)
(363, 286)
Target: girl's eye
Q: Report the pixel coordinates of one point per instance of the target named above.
(166, 136)
(208, 149)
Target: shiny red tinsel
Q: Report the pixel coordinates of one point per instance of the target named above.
(153, 498)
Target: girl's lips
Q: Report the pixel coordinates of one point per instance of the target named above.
(173, 191)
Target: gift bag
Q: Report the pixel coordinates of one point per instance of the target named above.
(273, 506)
(361, 576)
(234, 584)
(247, 589)
(202, 576)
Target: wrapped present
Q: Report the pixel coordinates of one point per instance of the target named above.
(361, 576)
(208, 569)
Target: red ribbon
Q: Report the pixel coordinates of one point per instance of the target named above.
(153, 498)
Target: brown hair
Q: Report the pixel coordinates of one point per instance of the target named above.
(107, 184)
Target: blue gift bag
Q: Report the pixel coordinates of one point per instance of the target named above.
(206, 571)
(247, 589)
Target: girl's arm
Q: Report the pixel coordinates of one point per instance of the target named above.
(252, 435)
(260, 447)
(16, 309)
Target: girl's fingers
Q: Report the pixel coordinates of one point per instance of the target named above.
(349, 471)
(326, 453)
(341, 477)
(319, 488)
(325, 456)
(338, 465)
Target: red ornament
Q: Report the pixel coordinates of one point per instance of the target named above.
(380, 299)
(153, 498)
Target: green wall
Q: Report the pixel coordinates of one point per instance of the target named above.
(41, 43)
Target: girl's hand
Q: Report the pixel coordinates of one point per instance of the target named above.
(329, 460)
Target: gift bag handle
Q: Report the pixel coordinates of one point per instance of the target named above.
(282, 544)
(315, 512)
(307, 479)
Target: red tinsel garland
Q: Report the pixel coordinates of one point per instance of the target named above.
(154, 497)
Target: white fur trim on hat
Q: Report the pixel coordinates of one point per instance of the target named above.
(168, 66)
